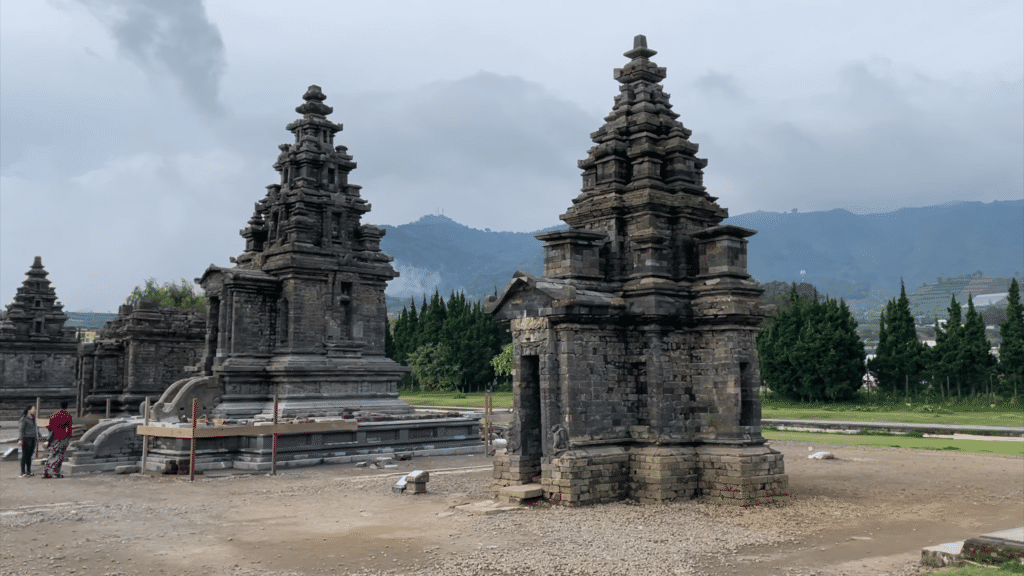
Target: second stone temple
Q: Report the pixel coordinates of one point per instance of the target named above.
(302, 312)
(636, 371)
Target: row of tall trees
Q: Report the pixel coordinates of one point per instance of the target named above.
(448, 345)
(810, 350)
(961, 361)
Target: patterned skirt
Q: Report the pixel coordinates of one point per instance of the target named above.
(57, 449)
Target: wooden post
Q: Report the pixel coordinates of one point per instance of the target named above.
(38, 401)
(487, 423)
(108, 408)
(145, 439)
(906, 386)
(192, 453)
(273, 449)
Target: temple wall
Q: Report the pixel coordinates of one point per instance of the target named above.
(140, 353)
(42, 369)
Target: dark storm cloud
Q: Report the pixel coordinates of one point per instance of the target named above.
(168, 37)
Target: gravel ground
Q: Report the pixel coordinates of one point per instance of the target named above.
(868, 504)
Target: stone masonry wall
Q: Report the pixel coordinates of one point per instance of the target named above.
(747, 475)
(587, 476)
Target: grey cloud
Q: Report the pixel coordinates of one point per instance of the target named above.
(172, 37)
(716, 84)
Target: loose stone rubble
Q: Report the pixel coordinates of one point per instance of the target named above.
(37, 352)
(636, 372)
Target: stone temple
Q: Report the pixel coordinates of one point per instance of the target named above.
(139, 354)
(636, 371)
(302, 312)
(300, 315)
(37, 352)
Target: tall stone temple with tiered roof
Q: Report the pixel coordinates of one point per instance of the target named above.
(37, 352)
(636, 371)
(302, 313)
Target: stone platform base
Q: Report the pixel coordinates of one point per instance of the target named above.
(740, 475)
(114, 443)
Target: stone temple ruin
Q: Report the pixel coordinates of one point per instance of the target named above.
(301, 315)
(636, 372)
(139, 354)
(37, 352)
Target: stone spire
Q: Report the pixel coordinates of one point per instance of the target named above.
(643, 185)
(313, 210)
(35, 313)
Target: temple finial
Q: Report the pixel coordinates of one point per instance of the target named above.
(640, 49)
(314, 98)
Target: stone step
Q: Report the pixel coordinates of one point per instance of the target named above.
(520, 493)
(992, 548)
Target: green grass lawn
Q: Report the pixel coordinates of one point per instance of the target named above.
(999, 416)
(898, 441)
(455, 399)
(1003, 415)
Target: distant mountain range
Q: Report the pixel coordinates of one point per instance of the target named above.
(857, 257)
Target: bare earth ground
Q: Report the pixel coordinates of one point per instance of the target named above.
(867, 513)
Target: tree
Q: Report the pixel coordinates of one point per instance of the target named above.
(811, 351)
(182, 295)
(502, 363)
(431, 363)
(944, 359)
(462, 335)
(1011, 347)
(975, 356)
(900, 355)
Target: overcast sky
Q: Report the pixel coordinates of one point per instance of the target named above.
(136, 136)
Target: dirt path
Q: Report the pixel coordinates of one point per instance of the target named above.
(868, 512)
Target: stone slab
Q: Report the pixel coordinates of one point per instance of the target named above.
(942, 554)
(522, 491)
(488, 507)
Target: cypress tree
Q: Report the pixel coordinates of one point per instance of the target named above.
(900, 356)
(1011, 346)
(389, 340)
(432, 320)
(975, 356)
(945, 357)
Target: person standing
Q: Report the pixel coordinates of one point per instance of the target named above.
(28, 435)
(60, 426)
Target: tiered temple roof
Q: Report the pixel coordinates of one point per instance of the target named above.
(35, 313)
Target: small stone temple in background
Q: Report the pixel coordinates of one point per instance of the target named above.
(37, 352)
(139, 354)
(636, 371)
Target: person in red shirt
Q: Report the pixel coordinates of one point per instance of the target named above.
(60, 426)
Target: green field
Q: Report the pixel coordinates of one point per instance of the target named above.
(922, 413)
(897, 441)
(455, 399)
(976, 414)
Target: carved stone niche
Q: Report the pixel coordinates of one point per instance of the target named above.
(722, 250)
(572, 254)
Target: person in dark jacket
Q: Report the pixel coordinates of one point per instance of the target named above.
(60, 425)
(28, 435)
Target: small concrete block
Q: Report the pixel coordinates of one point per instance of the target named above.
(12, 453)
(127, 469)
